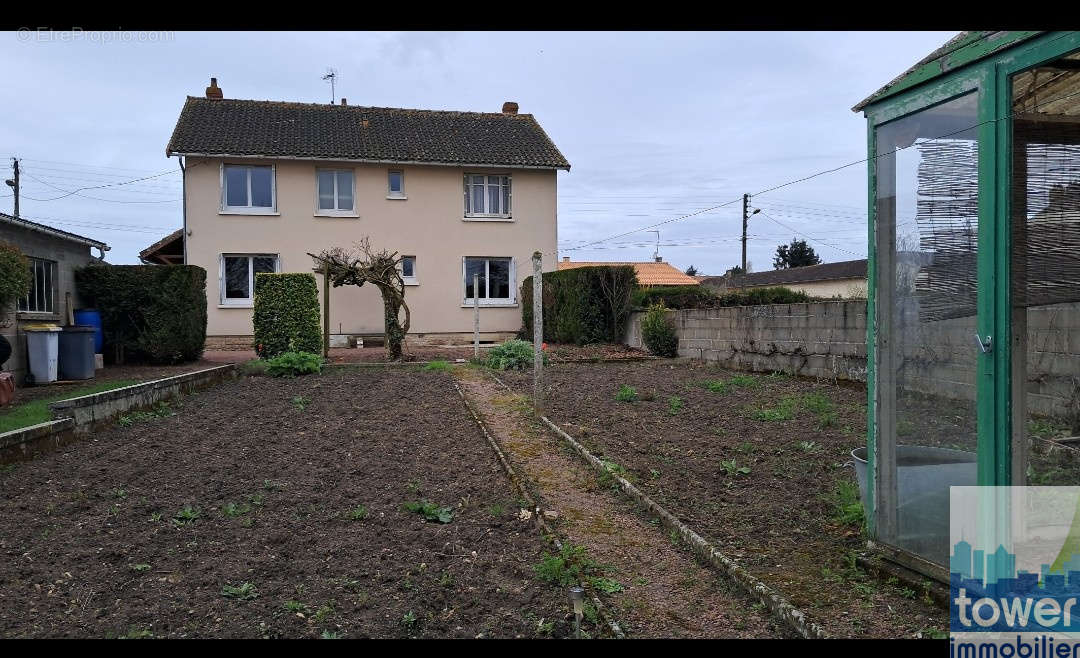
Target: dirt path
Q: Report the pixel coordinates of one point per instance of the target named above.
(665, 592)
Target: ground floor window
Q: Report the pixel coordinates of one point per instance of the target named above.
(496, 283)
(42, 295)
(238, 276)
(408, 270)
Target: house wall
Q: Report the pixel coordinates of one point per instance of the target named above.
(844, 288)
(429, 224)
(68, 256)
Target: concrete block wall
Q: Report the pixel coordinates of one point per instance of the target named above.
(816, 339)
(828, 339)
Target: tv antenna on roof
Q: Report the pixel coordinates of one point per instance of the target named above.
(331, 75)
(656, 254)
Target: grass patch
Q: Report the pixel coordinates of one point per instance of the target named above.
(568, 567)
(675, 403)
(626, 394)
(847, 507)
(37, 411)
(439, 365)
(715, 385)
(784, 410)
(159, 410)
(241, 592)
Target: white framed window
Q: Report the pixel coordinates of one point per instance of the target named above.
(42, 295)
(237, 276)
(408, 271)
(487, 196)
(497, 279)
(335, 192)
(248, 189)
(395, 184)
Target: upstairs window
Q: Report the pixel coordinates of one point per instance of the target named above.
(487, 196)
(238, 276)
(335, 191)
(395, 185)
(248, 188)
(42, 295)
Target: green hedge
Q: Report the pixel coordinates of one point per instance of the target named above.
(154, 313)
(287, 314)
(582, 305)
(14, 275)
(676, 297)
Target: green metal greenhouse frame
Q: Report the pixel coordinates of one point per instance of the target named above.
(980, 62)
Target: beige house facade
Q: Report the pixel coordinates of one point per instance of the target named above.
(341, 173)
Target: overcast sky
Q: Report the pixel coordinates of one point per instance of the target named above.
(655, 125)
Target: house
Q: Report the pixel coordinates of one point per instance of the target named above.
(456, 193)
(54, 256)
(843, 279)
(649, 273)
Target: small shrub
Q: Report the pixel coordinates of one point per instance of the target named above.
(286, 316)
(658, 332)
(358, 513)
(675, 403)
(291, 364)
(513, 355)
(626, 394)
(301, 402)
(431, 511)
(186, 515)
(14, 274)
(241, 592)
(733, 469)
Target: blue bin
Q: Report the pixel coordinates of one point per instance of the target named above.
(90, 317)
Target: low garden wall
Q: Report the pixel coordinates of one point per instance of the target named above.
(817, 339)
(828, 339)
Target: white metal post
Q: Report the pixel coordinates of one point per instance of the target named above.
(538, 332)
(476, 316)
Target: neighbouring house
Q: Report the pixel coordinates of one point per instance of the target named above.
(456, 193)
(649, 273)
(846, 279)
(169, 250)
(54, 256)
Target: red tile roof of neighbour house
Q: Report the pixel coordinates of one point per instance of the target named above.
(848, 269)
(648, 273)
(231, 127)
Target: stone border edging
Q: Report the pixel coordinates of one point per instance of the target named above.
(90, 410)
(80, 415)
(772, 599)
(538, 515)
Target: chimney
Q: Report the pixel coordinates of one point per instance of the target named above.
(510, 107)
(213, 91)
(659, 259)
(566, 259)
(343, 101)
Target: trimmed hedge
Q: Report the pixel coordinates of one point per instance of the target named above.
(677, 297)
(286, 317)
(152, 313)
(582, 305)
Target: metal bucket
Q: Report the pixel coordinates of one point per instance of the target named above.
(923, 477)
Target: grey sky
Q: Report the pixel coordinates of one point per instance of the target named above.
(655, 125)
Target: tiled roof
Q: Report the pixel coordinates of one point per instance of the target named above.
(350, 132)
(42, 228)
(648, 273)
(164, 244)
(848, 269)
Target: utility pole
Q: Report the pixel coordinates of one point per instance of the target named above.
(746, 215)
(13, 183)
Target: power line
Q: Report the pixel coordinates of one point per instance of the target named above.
(808, 237)
(77, 191)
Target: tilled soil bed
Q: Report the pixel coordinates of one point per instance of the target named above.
(275, 508)
(757, 465)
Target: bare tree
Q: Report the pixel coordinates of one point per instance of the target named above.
(361, 264)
